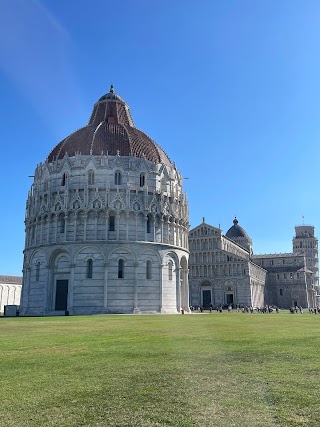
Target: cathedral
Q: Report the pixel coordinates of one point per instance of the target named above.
(106, 223)
(224, 271)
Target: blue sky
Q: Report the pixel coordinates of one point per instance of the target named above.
(229, 89)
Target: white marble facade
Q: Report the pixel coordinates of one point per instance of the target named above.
(106, 233)
(221, 270)
(224, 270)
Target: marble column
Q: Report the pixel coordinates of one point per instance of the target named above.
(96, 225)
(178, 288)
(85, 217)
(118, 225)
(26, 289)
(65, 226)
(161, 237)
(46, 302)
(127, 225)
(135, 295)
(71, 288)
(161, 292)
(105, 289)
(107, 225)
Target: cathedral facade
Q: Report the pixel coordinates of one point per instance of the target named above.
(224, 271)
(106, 223)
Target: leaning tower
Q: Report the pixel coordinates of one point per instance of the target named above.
(306, 242)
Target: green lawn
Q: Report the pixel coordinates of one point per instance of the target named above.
(183, 370)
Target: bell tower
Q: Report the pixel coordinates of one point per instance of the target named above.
(305, 242)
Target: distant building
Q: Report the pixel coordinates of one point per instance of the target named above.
(10, 291)
(293, 278)
(223, 270)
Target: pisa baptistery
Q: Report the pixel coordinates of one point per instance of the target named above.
(106, 223)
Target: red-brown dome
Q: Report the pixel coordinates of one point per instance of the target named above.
(110, 131)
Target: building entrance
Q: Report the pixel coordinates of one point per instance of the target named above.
(206, 298)
(61, 295)
(229, 299)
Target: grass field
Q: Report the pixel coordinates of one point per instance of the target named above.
(192, 370)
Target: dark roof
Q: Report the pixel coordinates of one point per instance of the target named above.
(279, 255)
(11, 280)
(110, 131)
(111, 95)
(283, 268)
(236, 231)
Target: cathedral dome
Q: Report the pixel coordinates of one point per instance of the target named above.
(110, 131)
(240, 236)
(236, 231)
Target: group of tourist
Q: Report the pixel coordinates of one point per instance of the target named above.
(296, 310)
(314, 310)
(239, 308)
(246, 309)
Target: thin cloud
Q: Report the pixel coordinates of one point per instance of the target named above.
(51, 18)
(36, 56)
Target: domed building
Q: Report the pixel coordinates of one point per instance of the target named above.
(239, 235)
(221, 268)
(224, 270)
(106, 223)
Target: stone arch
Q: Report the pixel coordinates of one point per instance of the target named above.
(230, 292)
(148, 255)
(76, 203)
(142, 179)
(91, 176)
(170, 283)
(38, 257)
(88, 249)
(59, 287)
(121, 250)
(152, 252)
(35, 282)
(148, 281)
(121, 291)
(118, 203)
(136, 203)
(118, 177)
(206, 294)
(89, 297)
